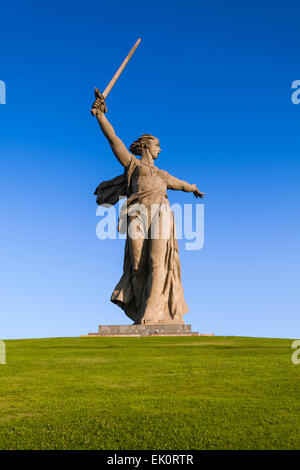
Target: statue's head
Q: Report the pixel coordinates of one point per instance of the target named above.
(146, 141)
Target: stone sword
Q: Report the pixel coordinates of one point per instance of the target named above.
(118, 73)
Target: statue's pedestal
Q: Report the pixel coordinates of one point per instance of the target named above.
(145, 330)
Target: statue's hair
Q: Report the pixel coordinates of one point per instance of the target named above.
(142, 142)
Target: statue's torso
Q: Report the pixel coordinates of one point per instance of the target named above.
(147, 178)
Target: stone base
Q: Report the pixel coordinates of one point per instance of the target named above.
(145, 330)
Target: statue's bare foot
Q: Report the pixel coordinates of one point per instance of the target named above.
(146, 321)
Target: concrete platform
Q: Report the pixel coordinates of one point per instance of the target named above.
(144, 330)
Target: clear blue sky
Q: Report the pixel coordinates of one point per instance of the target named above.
(212, 80)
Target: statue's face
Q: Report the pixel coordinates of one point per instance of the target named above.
(155, 148)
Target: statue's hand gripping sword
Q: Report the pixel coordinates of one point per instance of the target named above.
(116, 76)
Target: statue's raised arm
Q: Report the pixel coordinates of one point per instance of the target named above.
(99, 109)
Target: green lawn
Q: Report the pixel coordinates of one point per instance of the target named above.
(150, 393)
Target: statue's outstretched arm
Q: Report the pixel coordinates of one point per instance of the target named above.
(180, 185)
(119, 149)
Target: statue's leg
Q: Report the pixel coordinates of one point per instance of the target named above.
(159, 234)
(138, 249)
(153, 311)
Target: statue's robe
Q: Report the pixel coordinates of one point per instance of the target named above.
(171, 305)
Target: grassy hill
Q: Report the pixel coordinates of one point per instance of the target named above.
(150, 393)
